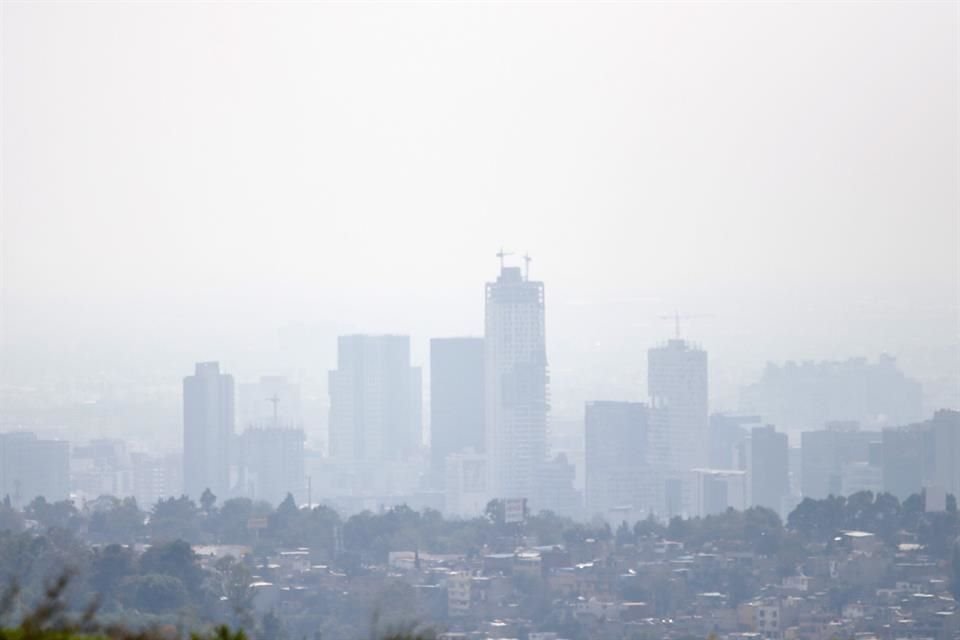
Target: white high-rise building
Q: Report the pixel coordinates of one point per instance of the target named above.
(515, 370)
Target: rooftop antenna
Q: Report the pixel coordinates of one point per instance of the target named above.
(502, 254)
(526, 259)
(275, 400)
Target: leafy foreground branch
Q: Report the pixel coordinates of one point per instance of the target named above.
(50, 620)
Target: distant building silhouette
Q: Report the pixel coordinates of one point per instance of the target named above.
(826, 453)
(716, 490)
(923, 455)
(373, 393)
(208, 427)
(516, 384)
(728, 440)
(465, 484)
(156, 477)
(677, 382)
(616, 457)
(807, 395)
(272, 464)
(556, 491)
(677, 386)
(456, 400)
(32, 467)
(769, 468)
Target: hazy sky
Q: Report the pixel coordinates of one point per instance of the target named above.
(190, 176)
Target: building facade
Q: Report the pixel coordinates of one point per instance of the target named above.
(769, 468)
(31, 467)
(677, 384)
(208, 428)
(372, 397)
(516, 379)
(616, 452)
(456, 400)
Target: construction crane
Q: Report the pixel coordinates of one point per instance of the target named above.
(676, 317)
(502, 254)
(526, 269)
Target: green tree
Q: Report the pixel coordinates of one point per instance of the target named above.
(111, 566)
(207, 501)
(175, 559)
(155, 593)
(175, 518)
(61, 514)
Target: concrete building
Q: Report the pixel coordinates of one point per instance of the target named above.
(556, 490)
(208, 427)
(101, 467)
(156, 477)
(769, 468)
(677, 383)
(716, 490)
(728, 440)
(465, 484)
(825, 453)
(516, 379)
(908, 459)
(946, 434)
(616, 453)
(923, 455)
(32, 467)
(456, 400)
(802, 396)
(272, 464)
(373, 393)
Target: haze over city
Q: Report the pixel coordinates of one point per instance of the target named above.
(181, 181)
(548, 321)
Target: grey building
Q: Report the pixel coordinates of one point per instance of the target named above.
(208, 427)
(273, 464)
(677, 383)
(803, 396)
(516, 379)
(769, 468)
(456, 400)
(374, 400)
(728, 440)
(32, 467)
(946, 433)
(616, 452)
(825, 454)
(921, 455)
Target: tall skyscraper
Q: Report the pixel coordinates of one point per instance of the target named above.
(677, 383)
(456, 400)
(373, 416)
(769, 468)
(515, 362)
(616, 453)
(208, 417)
